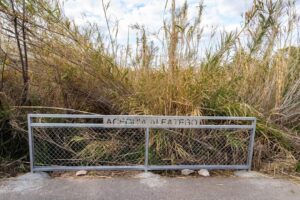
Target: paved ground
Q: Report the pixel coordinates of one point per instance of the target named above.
(148, 187)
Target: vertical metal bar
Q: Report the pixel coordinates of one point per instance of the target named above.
(146, 149)
(251, 145)
(30, 138)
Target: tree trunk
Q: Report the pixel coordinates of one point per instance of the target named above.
(23, 58)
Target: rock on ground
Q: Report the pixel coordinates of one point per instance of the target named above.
(203, 172)
(150, 179)
(81, 173)
(248, 174)
(187, 172)
(26, 182)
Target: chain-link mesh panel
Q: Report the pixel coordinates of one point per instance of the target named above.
(68, 146)
(198, 147)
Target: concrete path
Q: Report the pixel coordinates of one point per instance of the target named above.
(148, 186)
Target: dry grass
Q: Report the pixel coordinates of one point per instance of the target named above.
(253, 71)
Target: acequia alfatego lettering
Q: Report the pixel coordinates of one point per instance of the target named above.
(156, 121)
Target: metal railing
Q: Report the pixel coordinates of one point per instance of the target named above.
(126, 142)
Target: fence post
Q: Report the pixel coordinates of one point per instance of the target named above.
(251, 144)
(30, 142)
(146, 149)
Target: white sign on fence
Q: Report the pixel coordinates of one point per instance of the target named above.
(151, 120)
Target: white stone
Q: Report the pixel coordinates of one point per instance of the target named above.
(33, 176)
(26, 182)
(151, 180)
(248, 174)
(203, 172)
(187, 172)
(81, 173)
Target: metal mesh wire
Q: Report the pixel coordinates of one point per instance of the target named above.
(78, 146)
(198, 147)
(88, 146)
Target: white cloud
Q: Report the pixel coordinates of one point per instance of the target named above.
(225, 13)
(231, 8)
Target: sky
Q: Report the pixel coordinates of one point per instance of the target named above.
(222, 13)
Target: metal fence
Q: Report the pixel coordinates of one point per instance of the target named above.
(102, 142)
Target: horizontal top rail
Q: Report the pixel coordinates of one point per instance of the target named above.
(141, 116)
(92, 125)
(143, 121)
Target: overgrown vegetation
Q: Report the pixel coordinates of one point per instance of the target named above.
(48, 64)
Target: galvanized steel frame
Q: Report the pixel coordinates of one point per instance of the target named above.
(146, 166)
